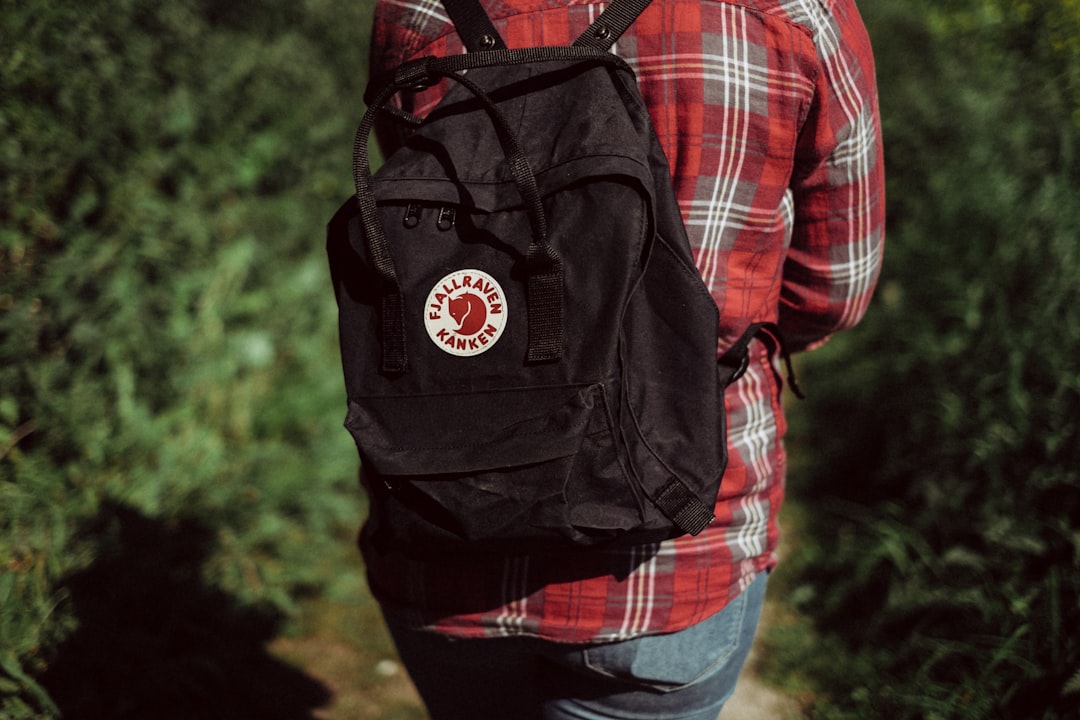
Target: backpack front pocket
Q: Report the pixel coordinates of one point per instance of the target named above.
(514, 465)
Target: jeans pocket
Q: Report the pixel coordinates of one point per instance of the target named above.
(666, 663)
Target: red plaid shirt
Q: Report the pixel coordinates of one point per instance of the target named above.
(767, 110)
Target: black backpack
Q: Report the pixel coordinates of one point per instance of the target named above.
(530, 353)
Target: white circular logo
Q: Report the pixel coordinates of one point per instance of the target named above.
(465, 312)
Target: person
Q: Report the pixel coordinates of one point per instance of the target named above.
(767, 111)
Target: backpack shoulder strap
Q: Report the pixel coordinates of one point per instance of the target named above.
(473, 25)
(612, 23)
(476, 30)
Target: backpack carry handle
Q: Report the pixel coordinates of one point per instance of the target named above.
(544, 268)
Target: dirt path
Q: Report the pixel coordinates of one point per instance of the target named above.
(754, 700)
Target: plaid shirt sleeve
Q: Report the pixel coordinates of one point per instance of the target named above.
(835, 257)
(767, 111)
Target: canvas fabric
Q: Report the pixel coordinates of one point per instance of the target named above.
(529, 350)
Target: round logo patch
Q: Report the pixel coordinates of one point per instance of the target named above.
(465, 312)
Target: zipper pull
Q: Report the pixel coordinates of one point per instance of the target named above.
(412, 216)
(446, 218)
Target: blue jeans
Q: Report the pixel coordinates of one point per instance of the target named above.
(686, 675)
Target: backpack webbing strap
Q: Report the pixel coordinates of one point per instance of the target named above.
(612, 23)
(737, 357)
(394, 358)
(683, 507)
(473, 25)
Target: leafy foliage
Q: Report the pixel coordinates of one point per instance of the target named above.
(171, 460)
(167, 340)
(941, 440)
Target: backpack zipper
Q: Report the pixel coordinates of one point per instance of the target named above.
(447, 216)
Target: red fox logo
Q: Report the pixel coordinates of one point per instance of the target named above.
(465, 312)
(469, 311)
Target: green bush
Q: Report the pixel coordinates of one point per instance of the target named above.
(940, 552)
(167, 342)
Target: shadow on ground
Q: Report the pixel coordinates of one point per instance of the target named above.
(154, 641)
